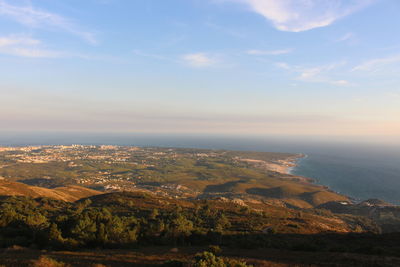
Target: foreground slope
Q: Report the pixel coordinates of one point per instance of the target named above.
(146, 229)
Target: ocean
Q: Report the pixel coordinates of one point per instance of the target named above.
(358, 170)
(361, 172)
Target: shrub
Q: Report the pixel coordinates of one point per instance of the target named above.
(208, 259)
(214, 249)
(44, 261)
(236, 263)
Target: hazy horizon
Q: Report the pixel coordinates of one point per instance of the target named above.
(326, 69)
(163, 139)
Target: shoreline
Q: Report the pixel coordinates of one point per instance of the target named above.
(293, 162)
(311, 180)
(282, 166)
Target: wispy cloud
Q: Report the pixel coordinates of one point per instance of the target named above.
(25, 47)
(35, 53)
(37, 18)
(346, 37)
(10, 41)
(283, 65)
(376, 64)
(303, 15)
(200, 60)
(316, 74)
(28, 47)
(256, 52)
(196, 60)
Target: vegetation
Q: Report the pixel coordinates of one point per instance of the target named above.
(208, 259)
(200, 207)
(130, 220)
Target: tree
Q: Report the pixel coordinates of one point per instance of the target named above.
(54, 235)
(221, 222)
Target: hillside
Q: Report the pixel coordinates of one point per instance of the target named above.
(387, 216)
(138, 226)
(65, 193)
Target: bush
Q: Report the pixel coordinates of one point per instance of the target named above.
(236, 263)
(214, 249)
(44, 261)
(208, 259)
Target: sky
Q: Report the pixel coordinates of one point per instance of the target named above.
(273, 67)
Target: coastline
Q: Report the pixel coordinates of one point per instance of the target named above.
(283, 166)
(290, 170)
(293, 162)
(291, 167)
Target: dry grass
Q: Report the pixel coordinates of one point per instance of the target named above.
(67, 193)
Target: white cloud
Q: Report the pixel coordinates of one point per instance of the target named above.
(303, 15)
(316, 74)
(341, 82)
(283, 65)
(375, 64)
(36, 18)
(346, 37)
(8, 41)
(25, 47)
(268, 52)
(35, 53)
(199, 60)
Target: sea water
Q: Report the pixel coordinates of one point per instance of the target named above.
(359, 170)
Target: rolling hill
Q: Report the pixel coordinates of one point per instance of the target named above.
(65, 193)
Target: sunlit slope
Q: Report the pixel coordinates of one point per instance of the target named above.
(65, 193)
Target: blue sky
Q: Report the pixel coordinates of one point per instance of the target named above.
(288, 67)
